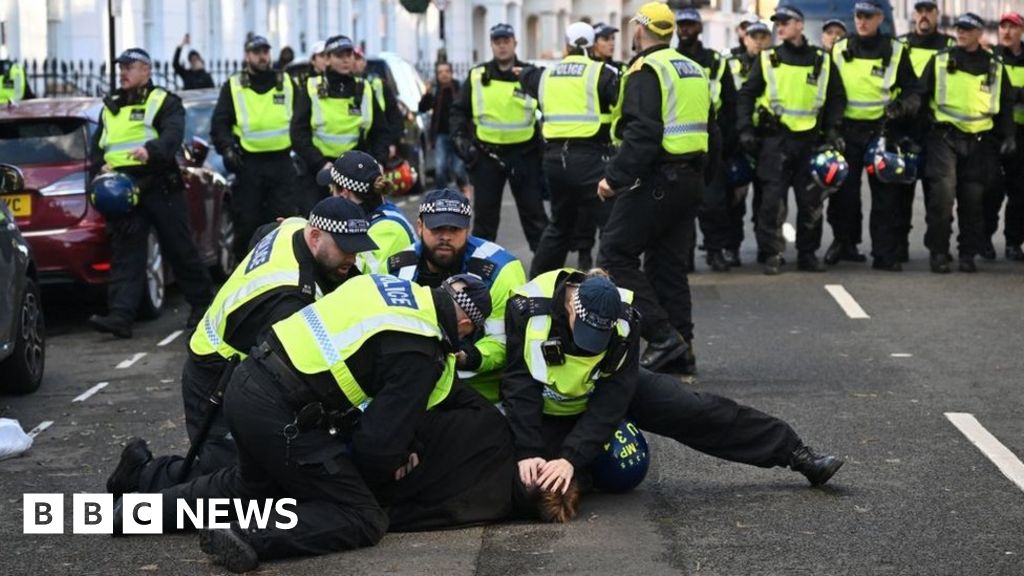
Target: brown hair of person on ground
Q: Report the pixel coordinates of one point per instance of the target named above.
(559, 508)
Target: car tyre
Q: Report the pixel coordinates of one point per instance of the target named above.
(153, 291)
(23, 370)
(226, 261)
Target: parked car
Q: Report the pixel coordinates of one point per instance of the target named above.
(49, 140)
(22, 329)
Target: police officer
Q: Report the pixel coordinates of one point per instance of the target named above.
(971, 101)
(603, 49)
(249, 128)
(14, 86)
(140, 132)
(290, 268)
(357, 176)
(881, 89)
(1011, 185)
(576, 97)
(337, 112)
(494, 128)
(666, 123)
(573, 375)
(327, 409)
(446, 249)
(832, 31)
(794, 92)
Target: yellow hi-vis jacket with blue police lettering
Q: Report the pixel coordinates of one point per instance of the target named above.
(967, 101)
(568, 386)
(685, 101)
(502, 112)
(569, 99)
(12, 85)
(338, 123)
(262, 120)
(321, 336)
(867, 83)
(270, 266)
(1016, 76)
(792, 93)
(130, 128)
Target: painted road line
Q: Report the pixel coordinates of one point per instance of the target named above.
(990, 446)
(39, 429)
(901, 355)
(170, 338)
(88, 393)
(846, 302)
(788, 232)
(128, 363)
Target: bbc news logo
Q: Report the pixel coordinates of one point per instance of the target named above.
(143, 513)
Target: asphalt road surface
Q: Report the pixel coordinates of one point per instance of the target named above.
(873, 381)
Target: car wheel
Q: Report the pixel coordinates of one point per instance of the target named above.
(225, 246)
(153, 292)
(23, 370)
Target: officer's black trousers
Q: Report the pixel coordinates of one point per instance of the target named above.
(721, 213)
(711, 424)
(785, 162)
(1011, 187)
(198, 381)
(572, 175)
(162, 208)
(265, 189)
(522, 171)
(656, 221)
(960, 168)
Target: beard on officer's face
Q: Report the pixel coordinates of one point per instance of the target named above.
(445, 254)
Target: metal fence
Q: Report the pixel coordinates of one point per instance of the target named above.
(56, 78)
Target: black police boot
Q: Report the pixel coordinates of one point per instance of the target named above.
(732, 256)
(834, 252)
(904, 255)
(716, 259)
(773, 265)
(988, 251)
(685, 364)
(762, 257)
(939, 263)
(816, 468)
(134, 458)
(195, 316)
(1014, 253)
(967, 264)
(230, 549)
(111, 325)
(887, 265)
(663, 350)
(584, 261)
(808, 262)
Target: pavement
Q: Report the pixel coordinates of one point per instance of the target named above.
(917, 496)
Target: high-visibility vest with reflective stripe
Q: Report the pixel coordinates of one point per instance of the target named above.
(502, 112)
(338, 123)
(869, 87)
(378, 92)
(919, 56)
(1016, 75)
(270, 266)
(129, 129)
(568, 386)
(12, 85)
(963, 99)
(392, 233)
(262, 120)
(739, 77)
(617, 109)
(322, 336)
(791, 92)
(685, 101)
(568, 97)
(715, 73)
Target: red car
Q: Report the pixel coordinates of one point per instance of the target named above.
(49, 140)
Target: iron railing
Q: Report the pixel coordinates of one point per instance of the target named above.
(56, 78)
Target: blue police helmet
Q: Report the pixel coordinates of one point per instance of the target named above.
(889, 163)
(623, 464)
(741, 171)
(829, 170)
(114, 194)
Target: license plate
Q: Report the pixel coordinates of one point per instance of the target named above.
(19, 204)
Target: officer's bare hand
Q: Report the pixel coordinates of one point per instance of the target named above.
(555, 475)
(517, 70)
(106, 168)
(460, 359)
(604, 190)
(140, 154)
(529, 470)
(186, 40)
(404, 471)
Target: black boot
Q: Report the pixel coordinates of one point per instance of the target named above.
(887, 265)
(716, 259)
(773, 265)
(808, 262)
(111, 325)
(685, 364)
(762, 257)
(732, 256)
(904, 255)
(230, 549)
(988, 251)
(134, 458)
(818, 469)
(834, 252)
(939, 263)
(1014, 253)
(967, 264)
(663, 350)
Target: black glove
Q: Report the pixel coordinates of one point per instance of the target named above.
(835, 140)
(1008, 147)
(748, 141)
(467, 150)
(233, 160)
(895, 110)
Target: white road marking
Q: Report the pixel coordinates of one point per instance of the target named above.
(170, 338)
(38, 429)
(990, 446)
(128, 363)
(901, 355)
(846, 302)
(788, 232)
(88, 393)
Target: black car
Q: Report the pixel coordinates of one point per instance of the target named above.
(22, 330)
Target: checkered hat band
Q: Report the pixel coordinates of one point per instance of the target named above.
(468, 306)
(137, 56)
(589, 318)
(348, 183)
(355, 226)
(446, 207)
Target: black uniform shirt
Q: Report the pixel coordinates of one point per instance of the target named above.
(223, 120)
(169, 123)
(977, 62)
(462, 110)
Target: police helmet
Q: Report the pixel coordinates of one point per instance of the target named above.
(114, 194)
(741, 171)
(892, 163)
(623, 464)
(829, 169)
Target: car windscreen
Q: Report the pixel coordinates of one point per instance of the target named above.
(43, 141)
(197, 120)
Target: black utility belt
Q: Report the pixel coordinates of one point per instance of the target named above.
(298, 391)
(951, 130)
